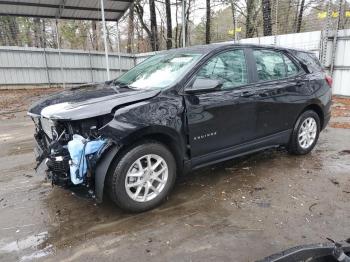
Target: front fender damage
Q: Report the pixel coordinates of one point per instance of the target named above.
(101, 170)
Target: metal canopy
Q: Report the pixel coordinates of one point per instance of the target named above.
(103, 10)
(65, 9)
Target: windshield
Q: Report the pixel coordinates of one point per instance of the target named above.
(159, 71)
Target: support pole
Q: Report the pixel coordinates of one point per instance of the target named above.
(60, 55)
(326, 36)
(105, 38)
(183, 23)
(45, 56)
(118, 49)
(335, 42)
(91, 71)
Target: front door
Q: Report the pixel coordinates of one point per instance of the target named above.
(224, 118)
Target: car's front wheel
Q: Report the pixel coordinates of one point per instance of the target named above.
(305, 133)
(142, 177)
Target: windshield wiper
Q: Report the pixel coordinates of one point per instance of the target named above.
(117, 84)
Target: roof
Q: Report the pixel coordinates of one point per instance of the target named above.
(72, 9)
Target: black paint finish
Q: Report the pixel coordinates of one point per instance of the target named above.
(199, 128)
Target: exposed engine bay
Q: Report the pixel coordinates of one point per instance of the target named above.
(68, 146)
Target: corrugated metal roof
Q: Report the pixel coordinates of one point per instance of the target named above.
(72, 9)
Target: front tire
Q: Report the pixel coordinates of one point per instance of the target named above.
(305, 133)
(142, 177)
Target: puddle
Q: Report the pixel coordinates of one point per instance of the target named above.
(38, 254)
(25, 243)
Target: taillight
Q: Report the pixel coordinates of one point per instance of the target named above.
(329, 80)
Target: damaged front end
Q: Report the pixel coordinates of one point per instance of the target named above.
(70, 143)
(70, 150)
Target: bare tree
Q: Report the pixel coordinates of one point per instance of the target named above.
(169, 29)
(130, 29)
(154, 31)
(266, 12)
(250, 18)
(37, 32)
(95, 35)
(177, 24)
(300, 16)
(233, 10)
(151, 32)
(207, 24)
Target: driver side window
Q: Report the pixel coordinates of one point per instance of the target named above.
(229, 67)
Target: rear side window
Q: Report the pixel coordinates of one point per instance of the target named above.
(273, 65)
(309, 60)
(291, 68)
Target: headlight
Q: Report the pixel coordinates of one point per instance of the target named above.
(48, 127)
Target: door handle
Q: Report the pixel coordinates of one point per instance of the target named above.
(300, 83)
(247, 93)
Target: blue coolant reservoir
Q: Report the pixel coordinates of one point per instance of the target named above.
(79, 148)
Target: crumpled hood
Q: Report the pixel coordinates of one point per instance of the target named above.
(87, 101)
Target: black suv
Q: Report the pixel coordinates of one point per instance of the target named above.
(177, 111)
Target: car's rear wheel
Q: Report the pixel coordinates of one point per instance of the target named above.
(142, 177)
(305, 133)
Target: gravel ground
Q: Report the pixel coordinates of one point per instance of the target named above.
(239, 210)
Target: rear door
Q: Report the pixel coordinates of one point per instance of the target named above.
(224, 118)
(279, 82)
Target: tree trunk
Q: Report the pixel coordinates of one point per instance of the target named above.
(169, 28)
(286, 20)
(207, 24)
(300, 16)
(14, 30)
(109, 40)
(130, 29)
(43, 38)
(180, 37)
(233, 10)
(139, 11)
(250, 19)
(187, 19)
(177, 24)
(296, 16)
(154, 31)
(266, 11)
(95, 36)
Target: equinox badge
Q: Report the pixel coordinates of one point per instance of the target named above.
(204, 136)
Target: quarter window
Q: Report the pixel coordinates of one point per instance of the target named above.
(292, 69)
(229, 67)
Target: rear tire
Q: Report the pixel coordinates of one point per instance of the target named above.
(142, 177)
(305, 133)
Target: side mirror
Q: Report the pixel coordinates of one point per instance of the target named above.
(201, 85)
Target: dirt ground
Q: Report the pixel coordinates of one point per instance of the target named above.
(239, 210)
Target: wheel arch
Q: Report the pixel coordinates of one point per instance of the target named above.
(318, 109)
(170, 138)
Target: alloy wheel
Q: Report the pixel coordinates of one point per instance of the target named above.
(146, 178)
(307, 133)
